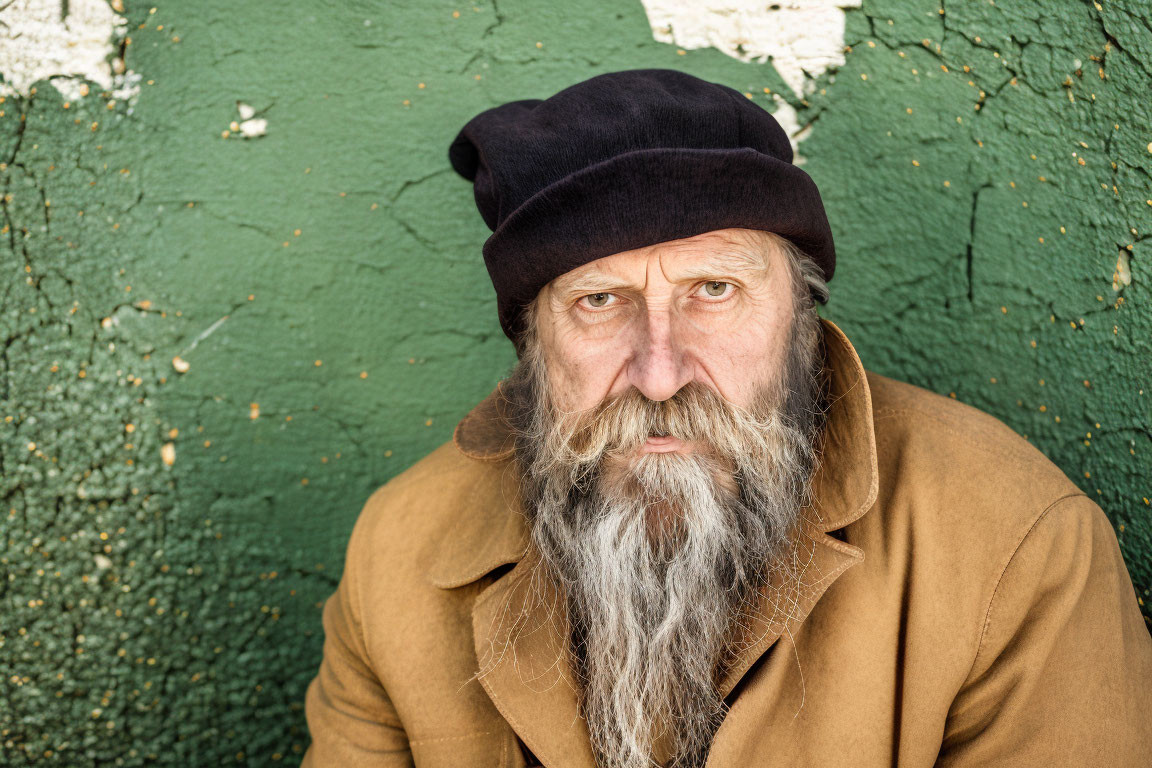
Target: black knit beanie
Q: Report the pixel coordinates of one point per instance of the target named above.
(625, 160)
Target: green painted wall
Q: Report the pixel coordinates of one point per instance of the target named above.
(324, 285)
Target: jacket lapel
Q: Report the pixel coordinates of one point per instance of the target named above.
(844, 487)
(519, 622)
(519, 631)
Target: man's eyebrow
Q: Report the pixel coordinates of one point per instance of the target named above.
(717, 265)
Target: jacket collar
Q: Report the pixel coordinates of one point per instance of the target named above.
(517, 619)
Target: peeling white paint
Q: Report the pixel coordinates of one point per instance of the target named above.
(38, 42)
(803, 38)
(251, 127)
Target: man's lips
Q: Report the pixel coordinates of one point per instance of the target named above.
(663, 445)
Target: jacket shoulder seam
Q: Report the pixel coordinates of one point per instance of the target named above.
(1000, 578)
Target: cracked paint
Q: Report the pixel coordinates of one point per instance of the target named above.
(985, 164)
(132, 598)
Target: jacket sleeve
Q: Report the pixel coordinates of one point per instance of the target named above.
(1063, 670)
(350, 718)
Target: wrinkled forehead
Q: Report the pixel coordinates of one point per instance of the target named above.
(729, 252)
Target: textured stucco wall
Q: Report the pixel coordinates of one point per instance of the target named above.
(237, 301)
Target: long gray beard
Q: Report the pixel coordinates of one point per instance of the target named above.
(661, 556)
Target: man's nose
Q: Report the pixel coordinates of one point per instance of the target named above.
(659, 365)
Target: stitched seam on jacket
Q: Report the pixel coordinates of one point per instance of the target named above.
(440, 739)
(1000, 578)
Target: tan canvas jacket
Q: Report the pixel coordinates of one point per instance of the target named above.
(963, 604)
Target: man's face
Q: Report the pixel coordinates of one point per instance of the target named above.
(706, 308)
(666, 409)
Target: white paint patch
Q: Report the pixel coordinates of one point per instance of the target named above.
(38, 42)
(804, 38)
(251, 127)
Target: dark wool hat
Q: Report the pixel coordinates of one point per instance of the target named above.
(625, 160)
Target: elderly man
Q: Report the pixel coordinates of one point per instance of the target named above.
(690, 528)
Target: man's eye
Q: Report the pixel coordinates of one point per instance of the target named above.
(716, 287)
(598, 300)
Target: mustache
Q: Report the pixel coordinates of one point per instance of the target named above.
(619, 425)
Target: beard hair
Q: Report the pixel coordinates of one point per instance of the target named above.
(660, 556)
